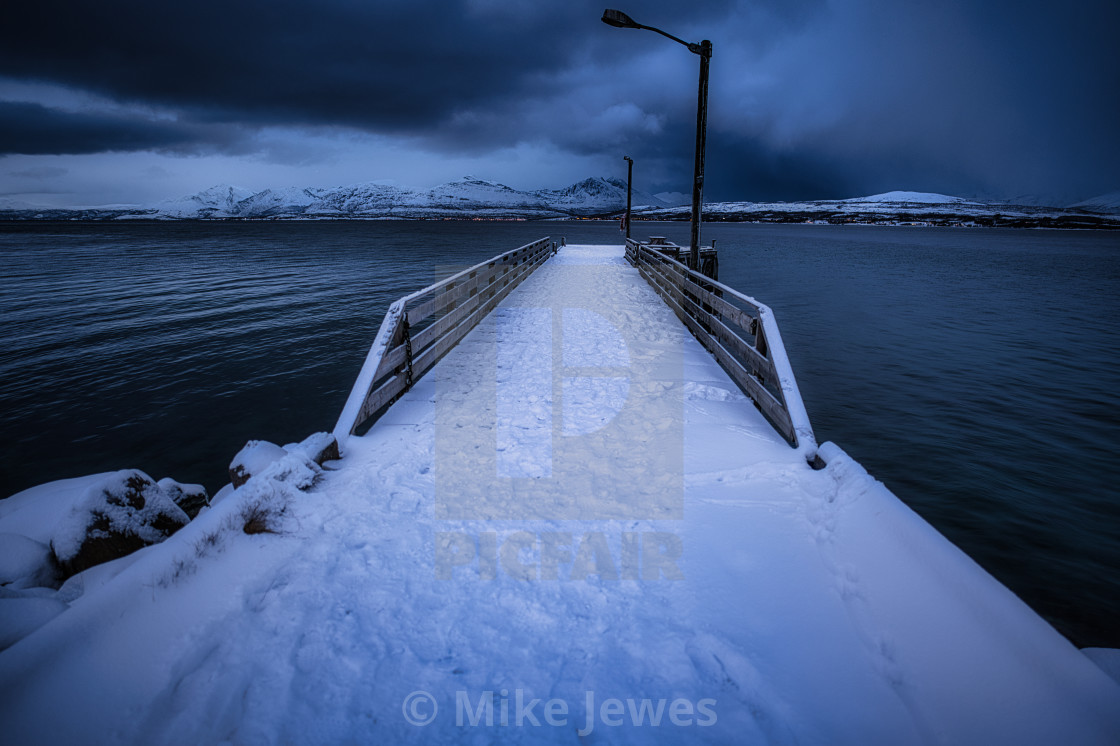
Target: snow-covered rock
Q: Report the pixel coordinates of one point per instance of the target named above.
(115, 516)
(36, 511)
(320, 447)
(255, 457)
(190, 497)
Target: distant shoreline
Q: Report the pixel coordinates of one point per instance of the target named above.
(1072, 221)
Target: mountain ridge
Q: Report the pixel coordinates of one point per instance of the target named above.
(473, 198)
(468, 196)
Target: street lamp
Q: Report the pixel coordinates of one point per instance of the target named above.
(618, 19)
(629, 182)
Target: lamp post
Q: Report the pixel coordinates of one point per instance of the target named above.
(618, 19)
(629, 182)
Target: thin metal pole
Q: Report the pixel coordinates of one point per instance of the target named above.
(629, 186)
(701, 138)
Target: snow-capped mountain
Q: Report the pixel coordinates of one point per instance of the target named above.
(473, 193)
(474, 198)
(598, 195)
(465, 197)
(276, 201)
(216, 201)
(910, 198)
(7, 203)
(1109, 203)
(899, 207)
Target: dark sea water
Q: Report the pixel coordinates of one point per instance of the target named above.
(975, 372)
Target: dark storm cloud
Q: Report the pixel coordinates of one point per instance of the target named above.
(809, 99)
(32, 129)
(395, 66)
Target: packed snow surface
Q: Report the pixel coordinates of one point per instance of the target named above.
(574, 529)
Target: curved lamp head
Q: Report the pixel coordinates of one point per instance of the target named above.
(627, 158)
(618, 19)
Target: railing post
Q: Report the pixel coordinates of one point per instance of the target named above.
(412, 354)
(407, 353)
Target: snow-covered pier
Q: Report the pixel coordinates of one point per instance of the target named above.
(567, 524)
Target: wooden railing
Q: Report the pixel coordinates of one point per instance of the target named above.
(741, 334)
(421, 328)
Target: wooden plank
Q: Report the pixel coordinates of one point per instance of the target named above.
(446, 298)
(430, 334)
(442, 284)
(390, 362)
(755, 361)
(496, 278)
(700, 278)
(520, 262)
(444, 344)
(774, 409)
(725, 310)
(483, 276)
(492, 295)
(758, 364)
(379, 397)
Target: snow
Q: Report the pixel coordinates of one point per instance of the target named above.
(907, 208)
(255, 457)
(36, 511)
(24, 562)
(217, 201)
(674, 198)
(127, 502)
(276, 201)
(88, 581)
(1107, 658)
(8, 203)
(1102, 203)
(468, 196)
(680, 558)
(20, 616)
(911, 197)
(598, 195)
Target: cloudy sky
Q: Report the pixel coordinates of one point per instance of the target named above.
(119, 101)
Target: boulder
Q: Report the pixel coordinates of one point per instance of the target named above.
(190, 497)
(119, 514)
(319, 447)
(255, 457)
